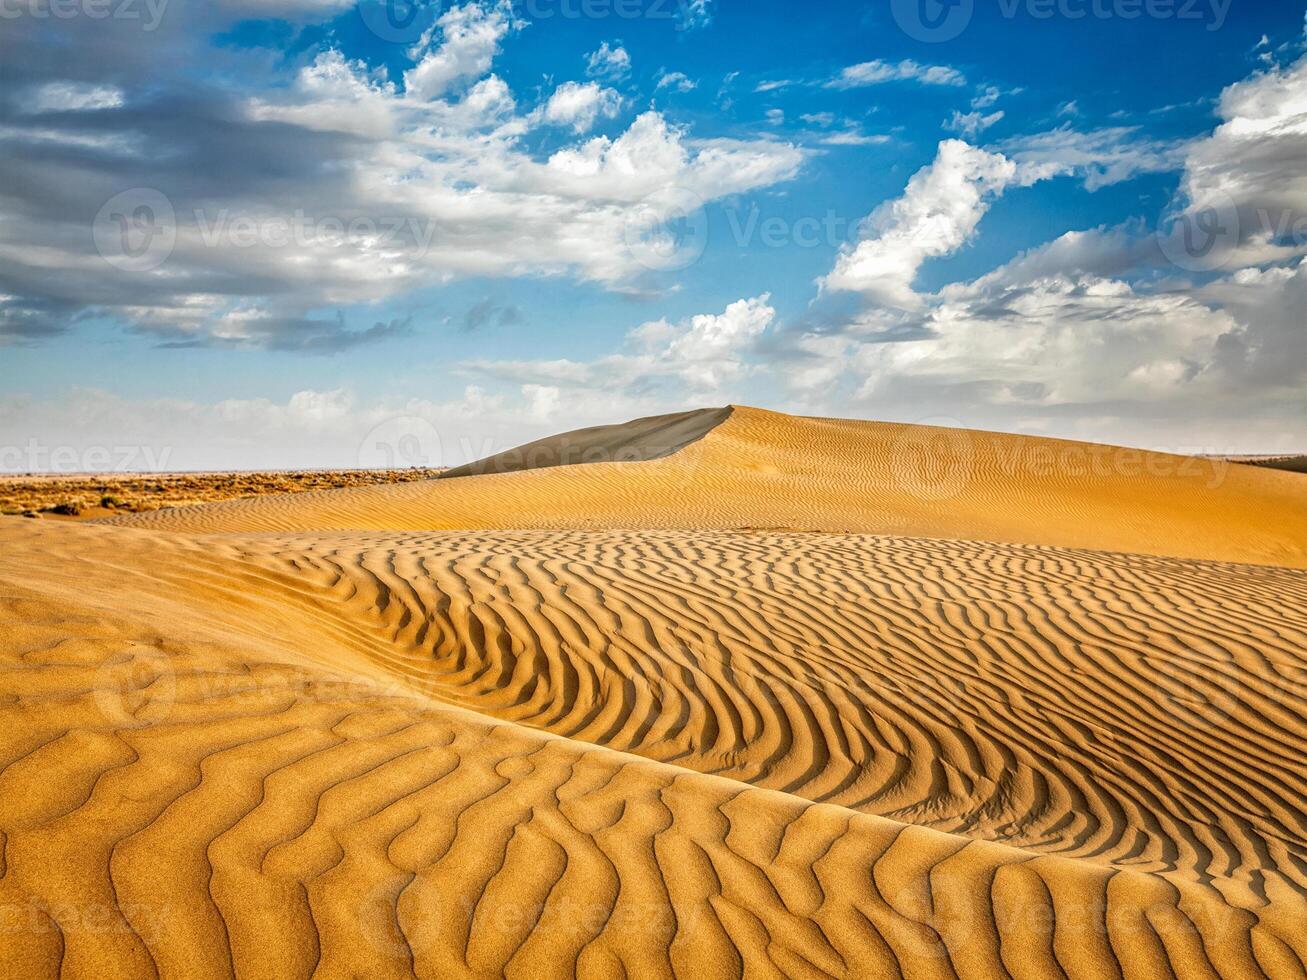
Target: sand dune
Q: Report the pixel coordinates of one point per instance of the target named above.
(630, 442)
(650, 751)
(764, 471)
(1292, 464)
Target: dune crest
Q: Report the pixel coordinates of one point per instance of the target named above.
(637, 441)
(674, 716)
(763, 470)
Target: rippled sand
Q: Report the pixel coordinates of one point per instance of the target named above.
(612, 728)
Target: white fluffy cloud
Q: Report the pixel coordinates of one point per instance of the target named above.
(677, 81)
(1102, 157)
(99, 430)
(470, 39)
(972, 124)
(696, 359)
(1094, 328)
(395, 183)
(611, 62)
(937, 214)
(878, 72)
(579, 105)
(1255, 163)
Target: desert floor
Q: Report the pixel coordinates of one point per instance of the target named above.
(88, 496)
(730, 693)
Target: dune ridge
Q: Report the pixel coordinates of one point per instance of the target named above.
(637, 441)
(688, 740)
(763, 470)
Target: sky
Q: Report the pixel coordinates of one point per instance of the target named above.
(325, 233)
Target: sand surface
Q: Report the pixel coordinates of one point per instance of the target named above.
(335, 735)
(638, 441)
(759, 470)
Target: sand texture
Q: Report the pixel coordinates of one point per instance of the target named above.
(759, 470)
(440, 730)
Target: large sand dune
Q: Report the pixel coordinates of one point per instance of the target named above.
(758, 470)
(666, 746)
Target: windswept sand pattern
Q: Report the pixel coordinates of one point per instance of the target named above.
(761, 470)
(1074, 703)
(372, 755)
(799, 698)
(258, 819)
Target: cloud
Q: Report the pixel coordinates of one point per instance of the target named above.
(391, 186)
(972, 124)
(486, 312)
(695, 359)
(606, 62)
(937, 213)
(1055, 340)
(470, 39)
(1256, 161)
(75, 97)
(677, 81)
(580, 105)
(694, 15)
(259, 327)
(1102, 157)
(1094, 334)
(307, 428)
(878, 72)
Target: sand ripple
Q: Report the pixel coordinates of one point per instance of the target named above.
(698, 754)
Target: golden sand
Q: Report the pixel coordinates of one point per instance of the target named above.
(992, 719)
(760, 470)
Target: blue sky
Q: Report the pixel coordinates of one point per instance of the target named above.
(260, 232)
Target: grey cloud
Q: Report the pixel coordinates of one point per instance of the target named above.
(486, 312)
